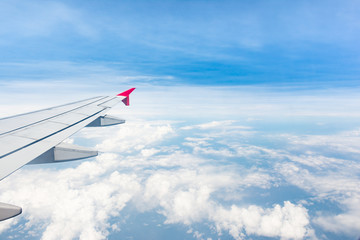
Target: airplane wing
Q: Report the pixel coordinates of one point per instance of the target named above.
(37, 137)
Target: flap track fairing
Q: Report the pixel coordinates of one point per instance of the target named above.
(64, 152)
(106, 120)
(8, 211)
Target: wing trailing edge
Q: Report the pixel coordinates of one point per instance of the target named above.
(64, 152)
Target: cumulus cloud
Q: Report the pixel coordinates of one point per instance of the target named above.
(80, 202)
(325, 166)
(71, 203)
(340, 186)
(185, 197)
(287, 222)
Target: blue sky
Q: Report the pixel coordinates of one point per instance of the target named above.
(197, 42)
(244, 123)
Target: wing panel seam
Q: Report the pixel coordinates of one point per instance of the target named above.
(48, 117)
(52, 134)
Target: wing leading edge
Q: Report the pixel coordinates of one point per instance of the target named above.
(37, 137)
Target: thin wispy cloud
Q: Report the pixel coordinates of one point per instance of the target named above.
(37, 19)
(227, 42)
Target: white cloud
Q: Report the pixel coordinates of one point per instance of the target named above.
(343, 142)
(79, 202)
(310, 168)
(340, 186)
(229, 147)
(184, 185)
(348, 222)
(130, 137)
(185, 197)
(330, 183)
(149, 152)
(41, 19)
(287, 222)
(71, 203)
(179, 102)
(316, 161)
(216, 125)
(201, 146)
(198, 235)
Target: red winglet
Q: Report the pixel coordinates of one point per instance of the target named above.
(126, 94)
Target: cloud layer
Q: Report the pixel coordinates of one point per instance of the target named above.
(241, 178)
(151, 175)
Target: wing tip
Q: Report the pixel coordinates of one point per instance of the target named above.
(126, 94)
